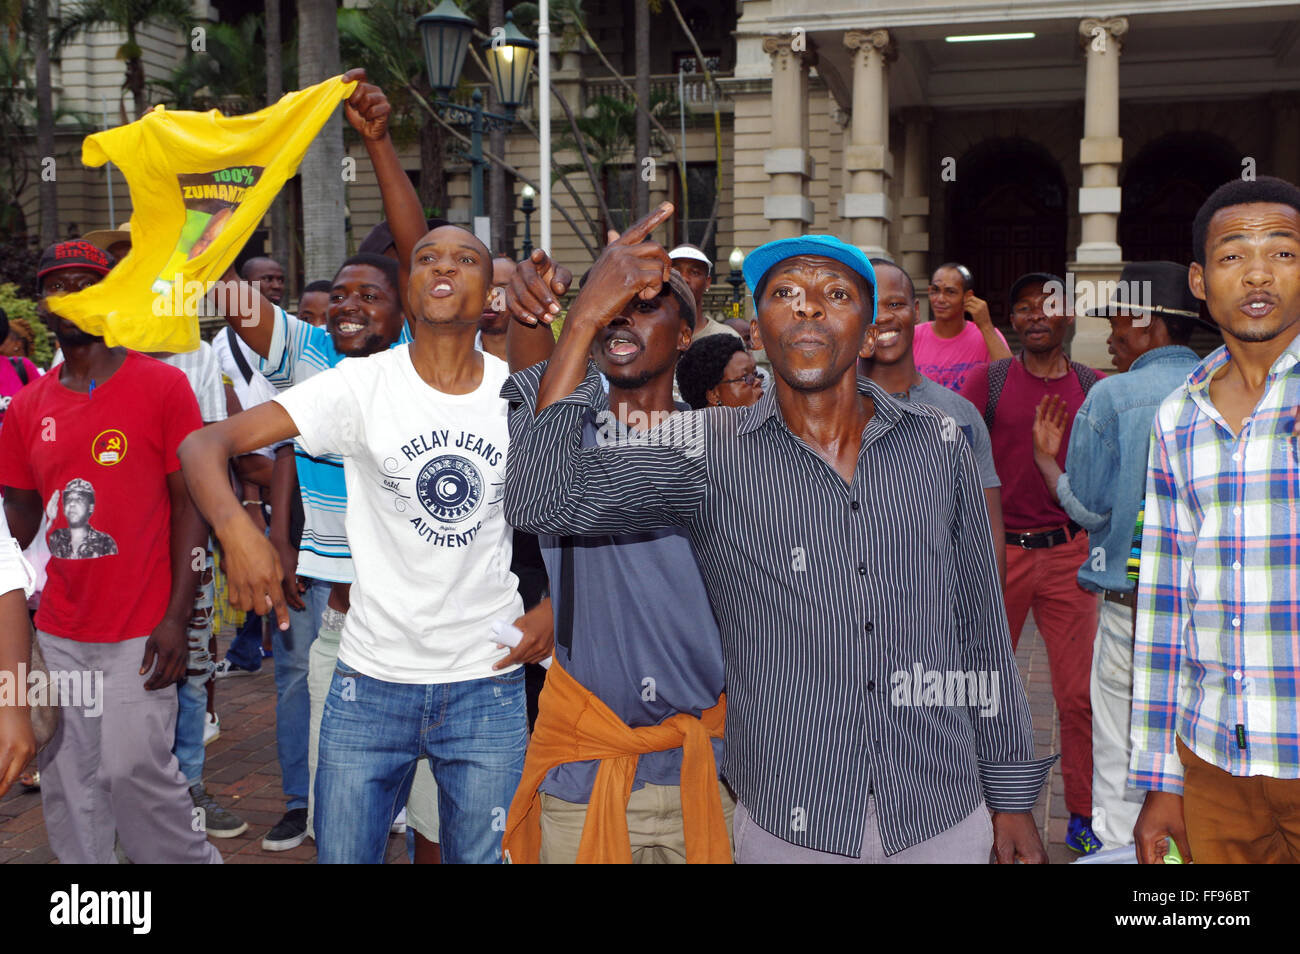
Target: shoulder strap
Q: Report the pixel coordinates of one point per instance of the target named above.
(1087, 377)
(997, 371)
(19, 368)
(238, 354)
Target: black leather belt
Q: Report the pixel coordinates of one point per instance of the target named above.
(1042, 539)
(1121, 597)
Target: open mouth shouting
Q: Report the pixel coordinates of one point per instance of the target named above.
(442, 288)
(622, 346)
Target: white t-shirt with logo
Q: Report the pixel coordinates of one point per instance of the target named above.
(425, 474)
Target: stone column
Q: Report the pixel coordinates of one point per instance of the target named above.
(1099, 257)
(867, 158)
(914, 243)
(1101, 150)
(788, 163)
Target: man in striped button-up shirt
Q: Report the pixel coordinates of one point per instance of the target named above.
(874, 707)
(1216, 662)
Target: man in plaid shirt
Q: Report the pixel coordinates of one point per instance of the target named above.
(1216, 662)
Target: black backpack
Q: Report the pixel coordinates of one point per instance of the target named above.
(997, 371)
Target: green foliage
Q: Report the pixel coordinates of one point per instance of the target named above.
(16, 306)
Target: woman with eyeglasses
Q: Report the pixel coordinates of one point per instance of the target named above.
(717, 371)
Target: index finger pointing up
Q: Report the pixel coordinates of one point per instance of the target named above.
(638, 231)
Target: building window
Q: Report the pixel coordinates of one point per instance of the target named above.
(692, 216)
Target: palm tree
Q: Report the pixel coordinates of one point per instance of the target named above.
(386, 41)
(324, 222)
(128, 17)
(47, 190)
(274, 89)
(642, 39)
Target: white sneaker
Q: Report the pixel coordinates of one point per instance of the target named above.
(399, 824)
(211, 727)
(225, 669)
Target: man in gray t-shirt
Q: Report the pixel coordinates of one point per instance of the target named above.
(889, 363)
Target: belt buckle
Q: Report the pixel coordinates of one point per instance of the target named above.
(1023, 537)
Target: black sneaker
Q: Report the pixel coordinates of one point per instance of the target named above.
(217, 821)
(289, 832)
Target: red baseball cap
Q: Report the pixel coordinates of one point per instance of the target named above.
(76, 253)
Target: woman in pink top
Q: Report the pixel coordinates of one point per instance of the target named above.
(15, 372)
(948, 347)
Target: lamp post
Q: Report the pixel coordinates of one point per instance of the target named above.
(446, 32)
(527, 207)
(735, 279)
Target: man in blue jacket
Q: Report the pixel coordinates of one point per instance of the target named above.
(1152, 318)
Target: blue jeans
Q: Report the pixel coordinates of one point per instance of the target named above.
(292, 701)
(246, 648)
(191, 715)
(372, 735)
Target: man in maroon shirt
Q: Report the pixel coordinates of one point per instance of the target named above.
(1044, 547)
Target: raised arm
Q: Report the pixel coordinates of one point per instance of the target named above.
(553, 484)
(994, 343)
(368, 110)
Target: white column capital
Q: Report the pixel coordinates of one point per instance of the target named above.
(781, 49)
(1097, 33)
(865, 43)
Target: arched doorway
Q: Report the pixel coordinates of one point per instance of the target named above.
(1164, 185)
(1008, 216)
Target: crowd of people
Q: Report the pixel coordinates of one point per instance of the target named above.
(658, 588)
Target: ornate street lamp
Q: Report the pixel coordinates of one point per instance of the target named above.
(526, 206)
(446, 33)
(737, 261)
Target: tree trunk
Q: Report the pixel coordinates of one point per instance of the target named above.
(279, 207)
(499, 205)
(323, 222)
(135, 76)
(642, 169)
(433, 179)
(48, 191)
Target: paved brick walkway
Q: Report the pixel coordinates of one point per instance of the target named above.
(243, 773)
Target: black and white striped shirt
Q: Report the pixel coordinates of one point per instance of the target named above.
(832, 600)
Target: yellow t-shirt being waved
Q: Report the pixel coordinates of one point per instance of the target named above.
(200, 184)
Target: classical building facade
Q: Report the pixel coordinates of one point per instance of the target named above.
(899, 126)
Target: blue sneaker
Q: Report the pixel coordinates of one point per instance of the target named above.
(1079, 836)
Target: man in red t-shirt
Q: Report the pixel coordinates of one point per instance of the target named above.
(92, 445)
(1044, 547)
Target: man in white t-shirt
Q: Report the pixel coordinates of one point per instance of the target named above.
(422, 432)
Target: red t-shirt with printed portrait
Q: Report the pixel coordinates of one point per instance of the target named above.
(100, 463)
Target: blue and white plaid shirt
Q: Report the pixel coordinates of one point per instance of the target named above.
(1216, 658)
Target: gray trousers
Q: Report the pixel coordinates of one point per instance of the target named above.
(113, 771)
(969, 842)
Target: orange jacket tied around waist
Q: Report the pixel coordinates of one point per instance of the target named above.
(200, 185)
(574, 726)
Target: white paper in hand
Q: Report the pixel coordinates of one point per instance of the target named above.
(508, 635)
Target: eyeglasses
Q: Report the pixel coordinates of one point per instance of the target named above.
(753, 378)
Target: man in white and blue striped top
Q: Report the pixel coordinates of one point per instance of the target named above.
(875, 710)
